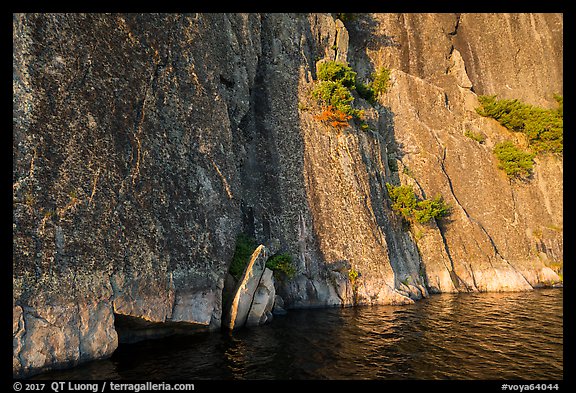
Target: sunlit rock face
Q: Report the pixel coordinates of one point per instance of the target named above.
(493, 239)
(143, 144)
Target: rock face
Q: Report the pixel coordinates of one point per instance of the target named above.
(143, 144)
(492, 240)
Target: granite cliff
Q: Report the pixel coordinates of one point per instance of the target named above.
(144, 144)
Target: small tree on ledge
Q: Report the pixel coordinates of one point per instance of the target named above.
(404, 202)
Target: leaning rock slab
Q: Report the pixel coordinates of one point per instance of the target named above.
(244, 292)
(263, 301)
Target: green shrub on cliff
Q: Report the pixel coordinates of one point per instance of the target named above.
(336, 80)
(334, 94)
(543, 127)
(346, 17)
(381, 81)
(336, 71)
(353, 275)
(476, 136)
(245, 246)
(429, 209)
(379, 85)
(514, 161)
(404, 201)
(367, 92)
(509, 113)
(281, 263)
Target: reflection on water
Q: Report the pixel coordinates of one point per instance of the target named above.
(448, 336)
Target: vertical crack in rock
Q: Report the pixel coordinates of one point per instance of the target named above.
(514, 208)
(471, 270)
(471, 219)
(254, 294)
(456, 63)
(224, 181)
(135, 172)
(23, 361)
(341, 39)
(79, 329)
(456, 25)
(458, 280)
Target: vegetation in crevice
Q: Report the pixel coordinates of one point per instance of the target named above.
(338, 72)
(475, 136)
(336, 118)
(543, 127)
(381, 81)
(366, 92)
(379, 84)
(407, 171)
(281, 265)
(515, 162)
(333, 92)
(245, 246)
(418, 235)
(405, 203)
(558, 268)
(353, 275)
(346, 17)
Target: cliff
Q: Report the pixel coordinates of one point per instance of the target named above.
(144, 144)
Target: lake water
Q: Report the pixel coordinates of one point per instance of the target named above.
(449, 336)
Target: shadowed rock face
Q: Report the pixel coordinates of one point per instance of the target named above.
(143, 144)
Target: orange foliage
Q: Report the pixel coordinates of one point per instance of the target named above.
(335, 117)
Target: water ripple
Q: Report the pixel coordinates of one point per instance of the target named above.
(448, 336)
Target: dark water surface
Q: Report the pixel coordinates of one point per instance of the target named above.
(448, 336)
